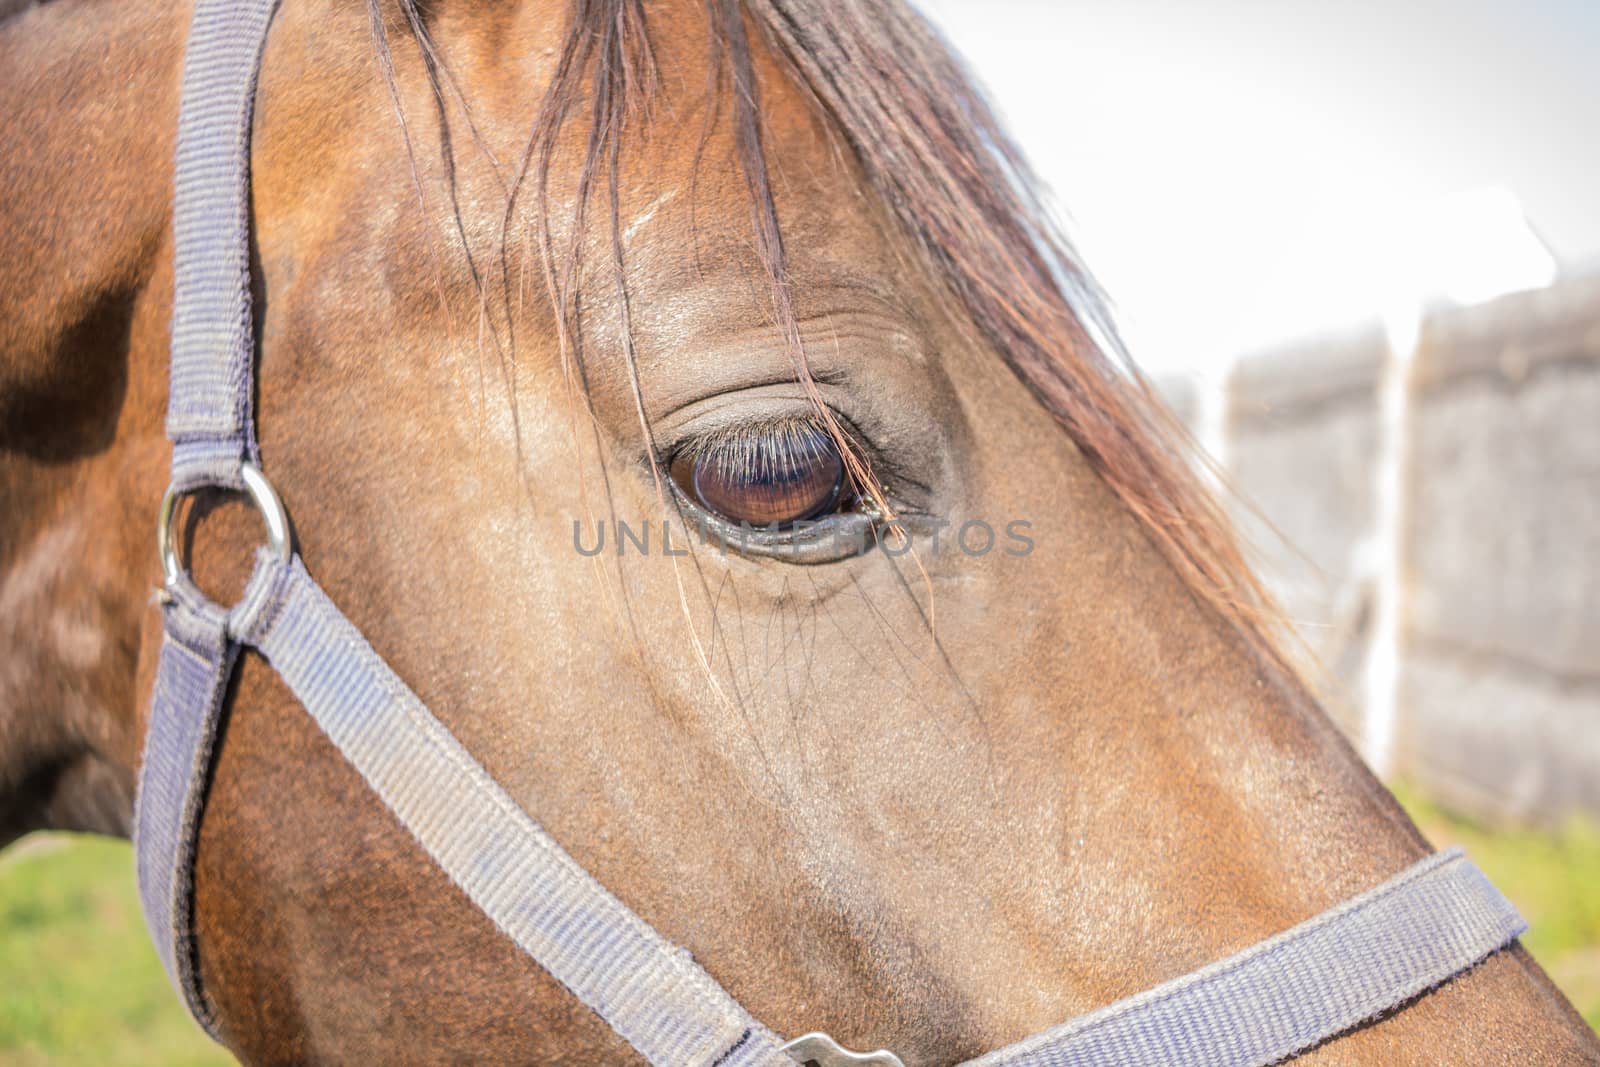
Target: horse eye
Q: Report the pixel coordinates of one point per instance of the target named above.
(782, 476)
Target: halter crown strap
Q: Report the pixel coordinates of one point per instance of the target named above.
(213, 335)
(1270, 1001)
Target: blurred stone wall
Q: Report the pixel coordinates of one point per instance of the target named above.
(1302, 441)
(1496, 446)
(1500, 675)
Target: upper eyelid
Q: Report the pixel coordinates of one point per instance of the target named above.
(750, 428)
(743, 431)
(694, 426)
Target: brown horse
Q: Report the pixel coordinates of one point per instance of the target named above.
(525, 269)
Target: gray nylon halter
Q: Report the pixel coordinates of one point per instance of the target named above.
(1264, 1004)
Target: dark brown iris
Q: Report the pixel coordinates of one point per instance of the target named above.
(781, 475)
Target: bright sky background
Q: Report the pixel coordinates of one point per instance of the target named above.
(1243, 171)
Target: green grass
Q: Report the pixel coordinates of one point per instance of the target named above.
(82, 985)
(81, 982)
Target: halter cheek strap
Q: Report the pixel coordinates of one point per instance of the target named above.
(650, 991)
(1268, 1002)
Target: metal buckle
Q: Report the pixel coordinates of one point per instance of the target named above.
(820, 1049)
(261, 494)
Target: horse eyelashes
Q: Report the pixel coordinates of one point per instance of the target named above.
(778, 473)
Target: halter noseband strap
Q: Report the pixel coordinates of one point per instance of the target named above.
(1268, 1002)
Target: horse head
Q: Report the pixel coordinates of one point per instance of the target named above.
(696, 406)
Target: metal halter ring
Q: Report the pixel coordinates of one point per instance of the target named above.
(261, 494)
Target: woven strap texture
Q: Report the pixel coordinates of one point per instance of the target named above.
(1266, 1003)
(197, 658)
(1283, 995)
(209, 407)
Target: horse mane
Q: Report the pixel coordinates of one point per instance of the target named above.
(933, 150)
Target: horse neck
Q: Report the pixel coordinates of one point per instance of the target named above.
(82, 331)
